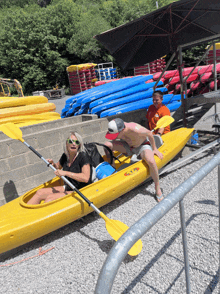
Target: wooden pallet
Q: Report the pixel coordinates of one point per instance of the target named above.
(52, 94)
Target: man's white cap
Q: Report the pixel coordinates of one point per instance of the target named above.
(115, 126)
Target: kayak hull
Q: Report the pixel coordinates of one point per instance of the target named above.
(21, 223)
(124, 100)
(22, 101)
(27, 109)
(142, 104)
(26, 120)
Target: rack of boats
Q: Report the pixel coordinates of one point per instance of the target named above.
(25, 111)
(119, 96)
(132, 93)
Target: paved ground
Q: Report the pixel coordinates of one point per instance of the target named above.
(60, 103)
(206, 122)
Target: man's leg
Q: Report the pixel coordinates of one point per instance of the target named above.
(117, 146)
(148, 156)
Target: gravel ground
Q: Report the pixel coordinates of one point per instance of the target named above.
(80, 248)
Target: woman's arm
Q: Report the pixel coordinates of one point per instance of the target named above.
(84, 176)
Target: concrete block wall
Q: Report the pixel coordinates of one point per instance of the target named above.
(21, 170)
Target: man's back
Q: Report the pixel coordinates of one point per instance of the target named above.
(134, 134)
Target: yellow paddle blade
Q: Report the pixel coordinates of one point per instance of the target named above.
(12, 131)
(164, 122)
(116, 229)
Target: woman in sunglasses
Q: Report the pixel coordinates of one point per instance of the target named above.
(74, 164)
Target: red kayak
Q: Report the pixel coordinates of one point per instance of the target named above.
(190, 79)
(212, 85)
(206, 77)
(195, 85)
(205, 68)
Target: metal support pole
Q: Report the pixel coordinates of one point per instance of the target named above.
(185, 89)
(185, 248)
(214, 69)
(203, 40)
(198, 62)
(143, 225)
(167, 65)
(219, 212)
(183, 100)
(215, 78)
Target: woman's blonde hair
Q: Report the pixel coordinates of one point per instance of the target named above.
(79, 138)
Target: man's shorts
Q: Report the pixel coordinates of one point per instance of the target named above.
(130, 150)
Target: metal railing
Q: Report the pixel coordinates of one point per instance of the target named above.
(143, 225)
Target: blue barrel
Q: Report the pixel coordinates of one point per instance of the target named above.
(195, 139)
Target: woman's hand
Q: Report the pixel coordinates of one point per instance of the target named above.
(51, 161)
(56, 165)
(60, 173)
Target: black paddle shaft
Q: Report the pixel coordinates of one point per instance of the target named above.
(62, 177)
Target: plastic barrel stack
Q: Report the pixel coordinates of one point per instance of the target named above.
(210, 55)
(81, 77)
(106, 71)
(106, 74)
(155, 66)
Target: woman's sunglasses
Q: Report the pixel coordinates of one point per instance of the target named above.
(70, 141)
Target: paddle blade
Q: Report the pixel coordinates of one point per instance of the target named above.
(116, 229)
(12, 131)
(164, 122)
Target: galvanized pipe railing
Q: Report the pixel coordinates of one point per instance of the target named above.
(135, 232)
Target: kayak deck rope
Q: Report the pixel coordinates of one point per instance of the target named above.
(41, 252)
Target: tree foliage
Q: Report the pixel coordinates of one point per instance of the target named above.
(38, 43)
(34, 50)
(82, 43)
(18, 3)
(190, 57)
(43, 3)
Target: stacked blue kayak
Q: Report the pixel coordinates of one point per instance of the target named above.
(119, 96)
(170, 100)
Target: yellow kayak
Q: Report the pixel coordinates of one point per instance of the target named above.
(21, 101)
(28, 109)
(80, 67)
(21, 223)
(27, 120)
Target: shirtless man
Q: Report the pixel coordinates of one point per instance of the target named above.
(132, 138)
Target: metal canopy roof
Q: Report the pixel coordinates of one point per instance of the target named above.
(161, 32)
